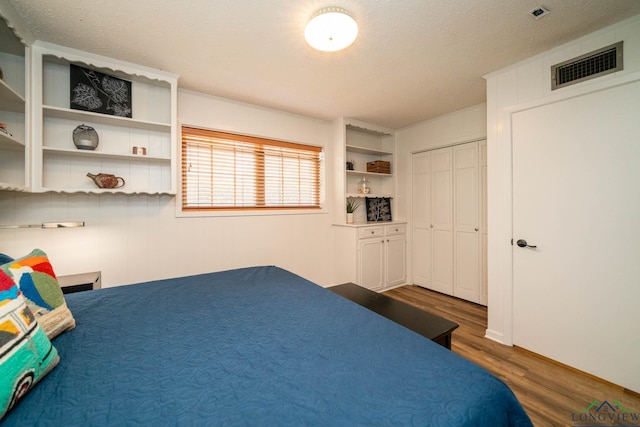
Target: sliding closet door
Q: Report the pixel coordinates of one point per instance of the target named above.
(466, 227)
(442, 219)
(421, 219)
(449, 220)
(432, 220)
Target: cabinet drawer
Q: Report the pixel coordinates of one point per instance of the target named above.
(395, 229)
(370, 232)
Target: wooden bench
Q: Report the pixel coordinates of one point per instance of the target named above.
(428, 325)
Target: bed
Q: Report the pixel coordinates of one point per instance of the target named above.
(253, 346)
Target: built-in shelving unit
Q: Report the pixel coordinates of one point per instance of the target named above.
(362, 143)
(58, 166)
(371, 254)
(14, 153)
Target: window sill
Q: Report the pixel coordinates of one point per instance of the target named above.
(246, 212)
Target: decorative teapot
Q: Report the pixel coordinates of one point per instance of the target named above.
(106, 180)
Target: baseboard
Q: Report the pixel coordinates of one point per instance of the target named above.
(495, 336)
(587, 374)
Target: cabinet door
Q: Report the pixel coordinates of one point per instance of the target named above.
(442, 220)
(466, 272)
(396, 257)
(421, 219)
(371, 263)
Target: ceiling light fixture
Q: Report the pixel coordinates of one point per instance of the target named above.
(331, 29)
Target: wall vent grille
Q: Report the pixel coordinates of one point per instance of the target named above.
(589, 66)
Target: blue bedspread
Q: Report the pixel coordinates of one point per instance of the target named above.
(254, 346)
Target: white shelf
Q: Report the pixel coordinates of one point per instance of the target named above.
(362, 173)
(369, 151)
(5, 186)
(105, 119)
(371, 195)
(8, 142)
(105, 190)
(10, 100)
(103, 155)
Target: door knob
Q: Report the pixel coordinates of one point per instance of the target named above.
(523, 244)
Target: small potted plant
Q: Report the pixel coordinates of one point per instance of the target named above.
(352, 206)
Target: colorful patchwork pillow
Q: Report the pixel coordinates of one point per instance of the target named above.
(5, 259)
(35, 277)
(26, 354)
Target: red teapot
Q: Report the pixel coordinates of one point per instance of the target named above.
(106, 180)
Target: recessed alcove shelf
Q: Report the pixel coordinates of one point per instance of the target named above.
(365, 143)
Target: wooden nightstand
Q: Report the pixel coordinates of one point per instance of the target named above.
(80, 282)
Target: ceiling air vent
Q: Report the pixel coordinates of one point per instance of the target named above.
(589, 66)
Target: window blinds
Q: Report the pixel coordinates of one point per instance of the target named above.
(229, 171)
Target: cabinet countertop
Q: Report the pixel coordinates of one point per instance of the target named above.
(370, 224)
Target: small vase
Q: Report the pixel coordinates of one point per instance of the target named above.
(350, 218)
(363, 186)
(85, 137)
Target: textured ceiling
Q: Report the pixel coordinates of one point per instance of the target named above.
(413, 59)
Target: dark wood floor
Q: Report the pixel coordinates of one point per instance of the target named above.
(550, 392)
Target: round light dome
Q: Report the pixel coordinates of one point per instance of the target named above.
(331, 29)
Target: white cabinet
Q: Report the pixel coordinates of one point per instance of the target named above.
(380, 255)
(13, 107)
(447, 231)
(59, 166)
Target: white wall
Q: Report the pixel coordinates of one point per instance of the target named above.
(465, 125)
(511, 89)
(137, 238)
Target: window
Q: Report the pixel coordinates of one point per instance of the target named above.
(229, 171)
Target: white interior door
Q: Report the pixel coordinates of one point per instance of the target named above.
(421, 219)
(576, 196)
(484, 277)
(466, 272)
